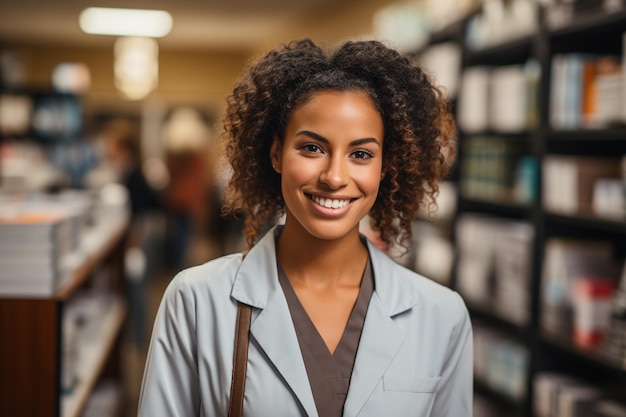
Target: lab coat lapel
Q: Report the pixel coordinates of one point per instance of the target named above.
(381, 338)
(380, 341)
(257, 284)
(275, 334)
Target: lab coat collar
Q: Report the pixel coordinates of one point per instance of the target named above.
(257, 284)
(257, 278)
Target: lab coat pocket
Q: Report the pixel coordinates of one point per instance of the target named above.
(409, 396)
(417, 385)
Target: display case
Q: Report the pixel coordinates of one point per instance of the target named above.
(57, 348)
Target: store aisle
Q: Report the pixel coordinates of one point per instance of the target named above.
(134, 357)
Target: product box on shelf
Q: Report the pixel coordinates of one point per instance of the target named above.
(568, 182)
(44, 239)
(33, 248)
(566, 261)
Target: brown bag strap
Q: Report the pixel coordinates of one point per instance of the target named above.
(240, 361)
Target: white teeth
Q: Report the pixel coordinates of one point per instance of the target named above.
(330, 203)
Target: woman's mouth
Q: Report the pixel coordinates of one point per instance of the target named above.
(329, 202)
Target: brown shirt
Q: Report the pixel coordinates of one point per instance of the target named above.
(329, 374)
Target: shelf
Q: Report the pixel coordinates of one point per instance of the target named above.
(504, 208)
(106, 400)
(501, 400)
(487, 404)
(602, 142)
(582, 32)
(451, 32)
(589, 223)
(66, 108)
(495, 135)
(586, 23)
(110, 235)
(508, 53)
(589, 31)
(96, 353)
(591, 135)
(486, 314)
(590, 356)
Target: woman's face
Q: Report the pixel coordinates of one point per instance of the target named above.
(330, 163)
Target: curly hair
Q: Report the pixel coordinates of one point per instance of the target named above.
(418, 146)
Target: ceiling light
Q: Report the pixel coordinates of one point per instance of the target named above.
(125, 22)
(136, 66)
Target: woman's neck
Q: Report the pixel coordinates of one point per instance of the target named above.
(310, 261)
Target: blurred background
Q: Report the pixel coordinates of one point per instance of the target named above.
(111, 182)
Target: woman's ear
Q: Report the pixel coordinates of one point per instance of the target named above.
(275, 153)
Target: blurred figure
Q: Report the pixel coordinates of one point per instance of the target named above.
(122, 151)
(227, 228)
(189, 195)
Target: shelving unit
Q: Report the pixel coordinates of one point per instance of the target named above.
(45, 115)
(595, 31)
(96, 356)
(31, 330)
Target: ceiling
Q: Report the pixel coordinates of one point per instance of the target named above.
(197, 23)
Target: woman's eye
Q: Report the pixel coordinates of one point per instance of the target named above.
(361, 154)
(311, 147)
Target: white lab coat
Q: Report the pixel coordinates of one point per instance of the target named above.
(414, 357)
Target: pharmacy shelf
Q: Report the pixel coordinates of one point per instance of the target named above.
(106, 400)
(67, 108)
(31, 362)
(594, 31)
(503, 402)
(594, 358)
(451, 32)
(522, 136)
(587, 24)
(494, 207)
(103, 238)
(95, 354)
(592, 135)
(487, 315)
(583, 32)
(601, 142)
(516, 51)
(488, 405)
(606, 226)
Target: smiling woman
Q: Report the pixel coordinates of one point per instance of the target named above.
(337, 327)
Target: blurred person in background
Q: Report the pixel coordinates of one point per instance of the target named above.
(189, 197)
(121, 149)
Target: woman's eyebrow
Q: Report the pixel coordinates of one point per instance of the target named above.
(320, 138)
(312, 135)
(364, 140)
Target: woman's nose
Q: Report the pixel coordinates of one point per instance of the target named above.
(334, 174)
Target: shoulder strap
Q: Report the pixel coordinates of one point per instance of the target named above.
(240, 361)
